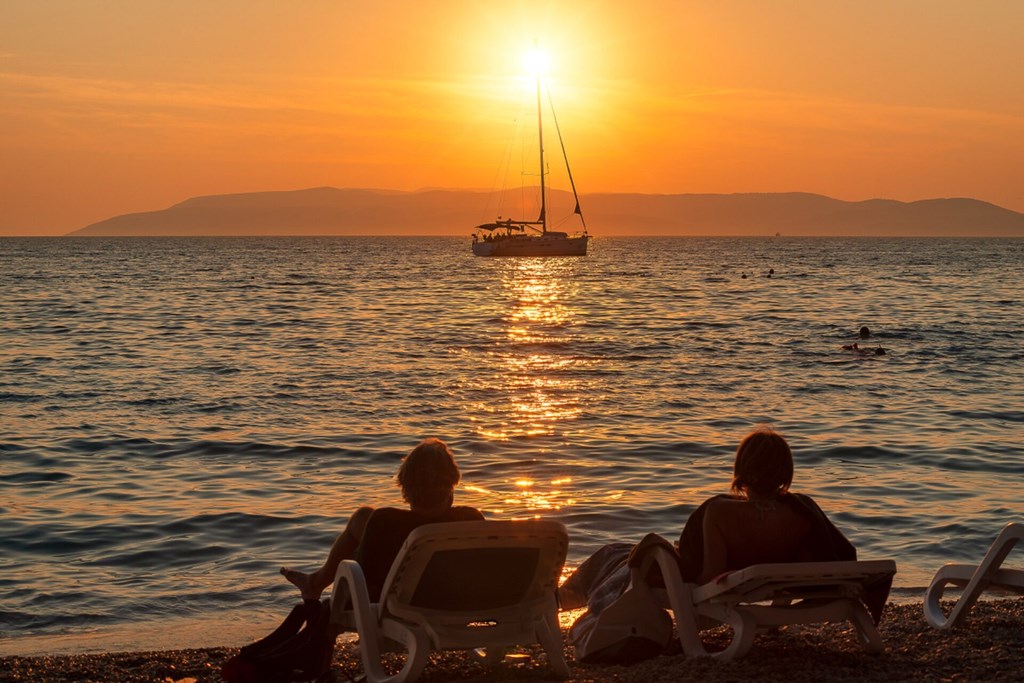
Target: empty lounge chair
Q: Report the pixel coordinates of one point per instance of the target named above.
(974, 579)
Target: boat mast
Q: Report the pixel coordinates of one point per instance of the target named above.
(543, 194)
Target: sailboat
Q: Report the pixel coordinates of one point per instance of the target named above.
(511, 237)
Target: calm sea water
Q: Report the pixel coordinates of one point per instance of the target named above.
(181, 417)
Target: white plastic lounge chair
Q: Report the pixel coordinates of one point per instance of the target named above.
(769, 595)
(975, 579)
(476, 586)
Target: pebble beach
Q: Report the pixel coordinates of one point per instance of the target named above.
(986, 648)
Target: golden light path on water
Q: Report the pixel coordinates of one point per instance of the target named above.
(540, 394)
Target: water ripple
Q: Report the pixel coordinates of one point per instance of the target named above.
(181, 417)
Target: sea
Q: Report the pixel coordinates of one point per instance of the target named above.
(181, 417)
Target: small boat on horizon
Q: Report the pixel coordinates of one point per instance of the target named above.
(511, 237)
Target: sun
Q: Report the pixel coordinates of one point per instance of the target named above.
(537, 62)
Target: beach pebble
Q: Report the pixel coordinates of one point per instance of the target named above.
(986, 648)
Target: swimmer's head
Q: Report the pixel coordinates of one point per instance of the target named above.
(865, 332)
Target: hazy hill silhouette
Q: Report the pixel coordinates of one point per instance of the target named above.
(333, 211)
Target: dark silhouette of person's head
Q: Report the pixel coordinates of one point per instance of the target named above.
(764, 464)
(428, 475)
(865, 332)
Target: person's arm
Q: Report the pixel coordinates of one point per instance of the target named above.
(344, 547)
(691, 544)
(824, 541)
(714, 545)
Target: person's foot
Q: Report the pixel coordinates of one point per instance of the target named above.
(302, 581)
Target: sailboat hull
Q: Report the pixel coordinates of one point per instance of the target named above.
(532, 245)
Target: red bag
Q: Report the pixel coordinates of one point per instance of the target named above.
(300, 649)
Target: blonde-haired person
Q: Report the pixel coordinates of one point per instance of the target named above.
(373, 537)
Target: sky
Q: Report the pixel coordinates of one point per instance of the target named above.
(117, 106)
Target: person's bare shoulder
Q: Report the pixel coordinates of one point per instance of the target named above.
(725, 506)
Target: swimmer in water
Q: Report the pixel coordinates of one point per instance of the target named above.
(864, 332)
(865, 352)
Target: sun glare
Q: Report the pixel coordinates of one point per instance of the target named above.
(537, 62)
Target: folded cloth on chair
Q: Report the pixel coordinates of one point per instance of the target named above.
(604, 576)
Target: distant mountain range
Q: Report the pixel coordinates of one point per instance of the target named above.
(333, 211)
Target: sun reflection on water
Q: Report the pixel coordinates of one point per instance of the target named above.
(526, 498)
(533, 381)
(533, 386)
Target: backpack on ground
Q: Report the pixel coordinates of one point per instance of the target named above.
(633, 627)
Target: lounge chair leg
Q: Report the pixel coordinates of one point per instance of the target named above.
(550, 637)
(352, 584)
(864, 627)
(680, 600)
(417, 645)
(689, 635)
(744, 628)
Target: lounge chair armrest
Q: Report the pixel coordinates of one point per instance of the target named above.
(351, 598)
(346, 584)
(680, 599)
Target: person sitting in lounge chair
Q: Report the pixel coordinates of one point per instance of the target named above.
(373, 537)
(760, 521)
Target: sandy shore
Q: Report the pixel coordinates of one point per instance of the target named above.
(988, 648)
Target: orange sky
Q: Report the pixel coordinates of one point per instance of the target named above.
(116, 106)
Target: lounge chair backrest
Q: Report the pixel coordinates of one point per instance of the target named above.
(475, 569)
(975, 579)
(474, 586)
